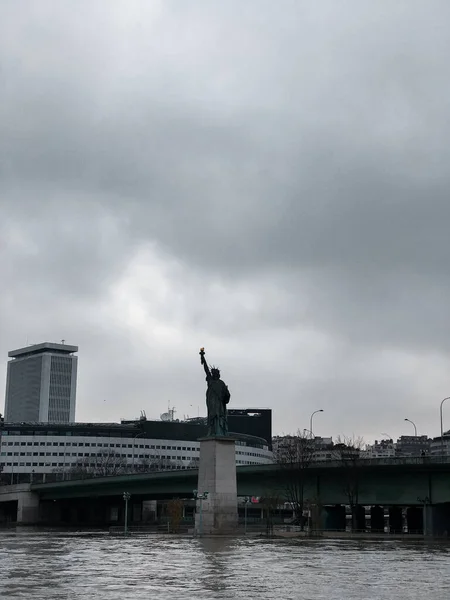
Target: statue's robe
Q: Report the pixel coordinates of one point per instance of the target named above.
(217, 398)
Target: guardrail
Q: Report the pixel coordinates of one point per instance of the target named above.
(324, 464)
(391, 461)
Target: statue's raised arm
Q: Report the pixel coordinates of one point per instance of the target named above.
(204, 363)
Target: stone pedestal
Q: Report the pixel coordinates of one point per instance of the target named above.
(218, 513)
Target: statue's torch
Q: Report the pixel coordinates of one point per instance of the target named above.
(202, 355)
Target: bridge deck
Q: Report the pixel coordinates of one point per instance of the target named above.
(405, 480)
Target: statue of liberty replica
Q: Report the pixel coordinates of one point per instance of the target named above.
(216, 504)
(217, 398)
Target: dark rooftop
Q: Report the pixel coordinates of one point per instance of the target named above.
(43, 347)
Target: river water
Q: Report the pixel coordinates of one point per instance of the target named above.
(50, 566)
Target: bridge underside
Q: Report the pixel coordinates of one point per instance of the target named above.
(108, 511)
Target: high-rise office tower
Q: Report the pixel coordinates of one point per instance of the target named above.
(41, 384)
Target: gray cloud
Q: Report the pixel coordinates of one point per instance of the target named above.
(268, 181)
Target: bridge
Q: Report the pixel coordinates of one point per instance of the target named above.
(420, 484)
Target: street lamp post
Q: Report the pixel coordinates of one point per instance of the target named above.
(442, 424)
(126, 497)
(414, 425)
(200, 497)
(311, 420)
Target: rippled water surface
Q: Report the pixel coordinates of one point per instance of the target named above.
(59, 566)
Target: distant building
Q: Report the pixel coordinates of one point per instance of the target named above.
(413, 445)
(315, 449)
(44, 451)
(41, 384)
(381, 449)
(251, 421)
(440, 446)
(323, 449)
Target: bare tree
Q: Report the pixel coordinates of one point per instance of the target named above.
(147, 465)
(315, 511)
(270, 502)
(175, 514)
(4, 477)
(294, 454)
(347, 451)
(102, 464)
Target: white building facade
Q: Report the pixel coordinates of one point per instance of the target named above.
(440, 446)
(380, 449)
(36, 452)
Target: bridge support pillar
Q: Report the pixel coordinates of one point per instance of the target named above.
(377, 519)
(136, 513)
(149, 510)
(317, 517)
(27, 508)
(358, 518)
(395, 519)
(335, 517)
(218, 513)
(73, 514)
(436, 519)
(414, 519)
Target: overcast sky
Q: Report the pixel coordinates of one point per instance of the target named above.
(267, 179)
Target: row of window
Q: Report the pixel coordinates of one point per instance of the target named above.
(84, 433)
(82, 444)
(251, 454)
(136, 456)
(5, 453)
(99, 434)
(34, 464)
(97, 445)
(83, 464)
(143, 446)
